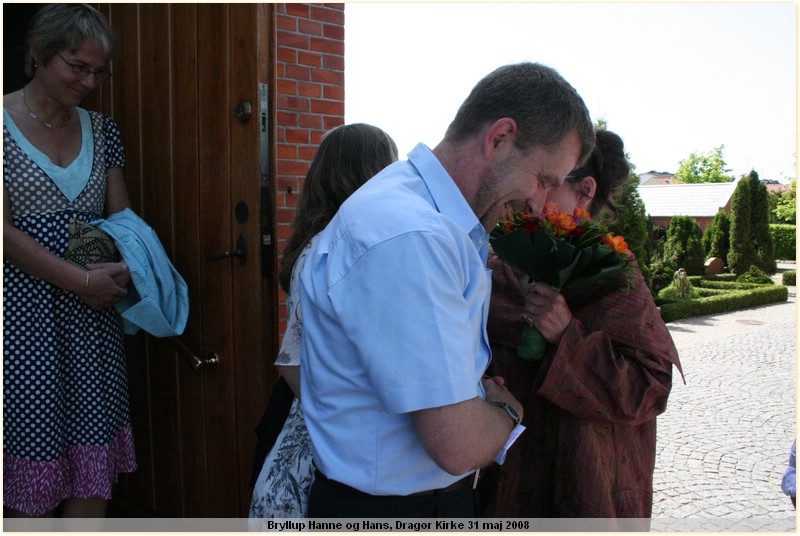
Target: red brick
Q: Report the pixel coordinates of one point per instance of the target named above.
(287, 86)
(333, 93)
(307, 152)
(333, 31)
(295, 167)
(331, 13)
(309, 27)
(306, 89)
(287, 55)
(286, 23)
(312, 59)
(286, 151)
(292, 40)
(292, 103)
(333, 62)
(286, 119)
(316, 137)
(310, 121)
(332, 122)
(297, 136)
(298, 73)
(327, 107)
(324, 76)
(297, 10)
(283, 232)
(328, 46)
(284, 215)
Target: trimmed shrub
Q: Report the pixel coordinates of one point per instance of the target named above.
(784, 237)
(673, 293)
(754, 275)
(728, 285)
(788, 277)
(718, 277)
(730, 301)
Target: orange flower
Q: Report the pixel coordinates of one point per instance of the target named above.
(550, 212)
(565, 223)
(581, 214)
(617, 243)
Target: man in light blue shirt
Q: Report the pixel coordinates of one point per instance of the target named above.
(395, 296)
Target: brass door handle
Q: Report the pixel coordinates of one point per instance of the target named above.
(195, 362)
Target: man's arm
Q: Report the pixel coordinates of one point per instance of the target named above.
(466, 436)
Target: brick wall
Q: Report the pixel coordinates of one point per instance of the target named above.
(310, 100)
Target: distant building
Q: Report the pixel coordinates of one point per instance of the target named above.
(700, 201)
(774, 186)
(653, 178)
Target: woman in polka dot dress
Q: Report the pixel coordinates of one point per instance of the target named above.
(66, 426)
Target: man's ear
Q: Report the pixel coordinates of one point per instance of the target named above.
(498, 139)
(586, 190)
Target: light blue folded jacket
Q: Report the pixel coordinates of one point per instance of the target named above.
(159, 300)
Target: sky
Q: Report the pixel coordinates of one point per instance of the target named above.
(670, 78)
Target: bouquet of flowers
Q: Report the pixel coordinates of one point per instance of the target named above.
(562, 250)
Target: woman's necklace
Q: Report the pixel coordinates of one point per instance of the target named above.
(67, 114)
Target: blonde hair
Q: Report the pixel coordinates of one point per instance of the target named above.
(59, 26)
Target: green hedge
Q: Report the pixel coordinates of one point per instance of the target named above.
(729, 301)
(726, 285)
(783, 236)
(789, 277)
(706, 292)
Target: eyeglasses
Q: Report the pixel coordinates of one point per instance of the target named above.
(82, 71)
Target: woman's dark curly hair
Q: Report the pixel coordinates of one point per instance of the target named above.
(348, 156)
(610, 168)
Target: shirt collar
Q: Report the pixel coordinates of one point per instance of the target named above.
(447, 198)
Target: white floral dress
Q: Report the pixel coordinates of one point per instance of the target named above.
(287, 474)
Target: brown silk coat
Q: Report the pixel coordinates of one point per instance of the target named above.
(590, 405)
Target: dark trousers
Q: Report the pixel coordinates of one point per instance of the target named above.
(332, 499)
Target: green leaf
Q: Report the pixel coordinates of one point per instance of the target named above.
(532, 345)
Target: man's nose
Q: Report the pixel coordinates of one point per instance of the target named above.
(536, 202)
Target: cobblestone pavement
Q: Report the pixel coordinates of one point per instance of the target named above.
(723, 442)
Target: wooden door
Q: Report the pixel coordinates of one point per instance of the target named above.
(193, 171)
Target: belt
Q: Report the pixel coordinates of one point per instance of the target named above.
(468, 482)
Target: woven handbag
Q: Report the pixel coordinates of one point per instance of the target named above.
(89, 245)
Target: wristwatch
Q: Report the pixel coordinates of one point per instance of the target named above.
(510, 410)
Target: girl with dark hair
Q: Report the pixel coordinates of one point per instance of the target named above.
(591, 403)
(347, 157)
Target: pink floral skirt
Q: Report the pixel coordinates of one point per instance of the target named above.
(85, 471)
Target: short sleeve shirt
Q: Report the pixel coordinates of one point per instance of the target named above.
(395, 297)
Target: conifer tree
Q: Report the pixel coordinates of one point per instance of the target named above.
(742, 254)
(759, 225)
(684, 245)
(717, 238)
(632, 222)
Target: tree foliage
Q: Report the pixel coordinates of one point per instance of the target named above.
(759, 225)
(632, 221)
(705, 167)
(751, 242)
(684, 247)
(785, 210)
(742, 254)
(717, 238)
